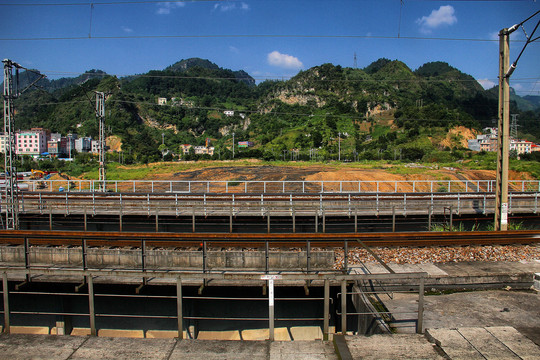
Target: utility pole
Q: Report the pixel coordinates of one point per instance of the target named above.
(339, 146)
(11, 192)
(503, 141)
(100, 114)
(233, 145)
(503, 145)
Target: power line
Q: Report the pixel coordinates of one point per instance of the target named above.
(222, 36)
(132, 2)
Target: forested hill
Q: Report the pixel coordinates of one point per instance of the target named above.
(379, 111)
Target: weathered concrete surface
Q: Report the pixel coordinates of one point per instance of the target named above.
(518, 309)
(220, 350)
(302, 350)
(27, 347)
(102, 348)
(515, 341)
(500, 342)
(102, 257)
(454, 345)
(387, 346)
(470, 275)
(22, 347)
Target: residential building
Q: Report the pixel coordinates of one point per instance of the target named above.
(94, 144)
(3, 142)
(83, 144)
(198, 150)
(162, 101)
(31, 142)
(70, 144)
(229, 113)
(521, 146)
(203, 150)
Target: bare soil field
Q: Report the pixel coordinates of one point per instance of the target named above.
(252, 171)
(330, 173)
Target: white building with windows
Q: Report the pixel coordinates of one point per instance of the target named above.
(83, 144)
(521, 146)
(3, 142)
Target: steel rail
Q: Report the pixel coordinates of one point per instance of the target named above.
(256, 240)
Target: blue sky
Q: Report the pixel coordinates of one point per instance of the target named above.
(266, 38)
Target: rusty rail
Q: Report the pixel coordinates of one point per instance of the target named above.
(254, 240)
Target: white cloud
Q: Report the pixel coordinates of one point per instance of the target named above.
(165, 8)
(443, 16)
(234, 49)
(126, 29)
(518, 87)
(516, 35)
(486, 83)
(494, 35)
(275, 58)
(229, 6)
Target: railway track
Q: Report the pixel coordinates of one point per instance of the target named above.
(239, 240)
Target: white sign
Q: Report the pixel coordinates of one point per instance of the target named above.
(270, 292)
(504, 213)
(271, 277)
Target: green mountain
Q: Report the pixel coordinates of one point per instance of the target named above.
(376, 112)
(183, 66)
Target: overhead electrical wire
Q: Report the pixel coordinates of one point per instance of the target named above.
(132, 2)
(219, 36)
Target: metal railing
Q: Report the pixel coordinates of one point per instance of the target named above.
(119, 204)
(179, 280)
(248, 186)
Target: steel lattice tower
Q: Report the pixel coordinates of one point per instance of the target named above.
(11, 195)
(514, 127)
(100, 113)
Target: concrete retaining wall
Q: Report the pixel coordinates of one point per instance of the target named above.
(367, 324)
(166, 258)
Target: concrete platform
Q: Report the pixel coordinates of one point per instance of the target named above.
(388, 346)
(470, 343)
(44, 347)
(501, 342)
(467, 275)
(518, 309)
